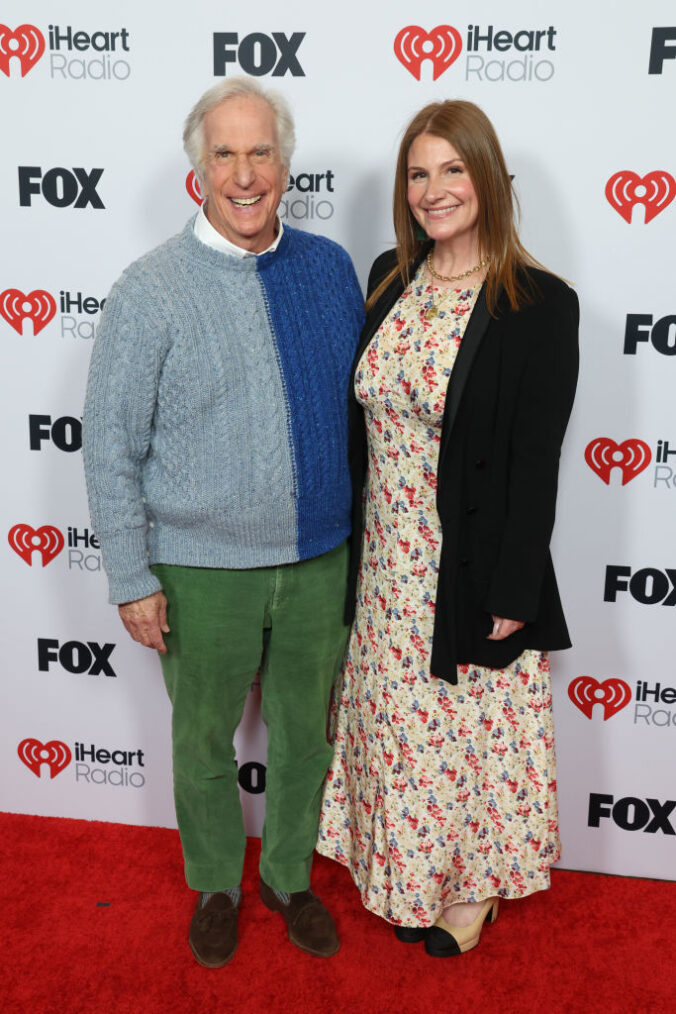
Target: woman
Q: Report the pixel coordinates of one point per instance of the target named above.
(441, 798)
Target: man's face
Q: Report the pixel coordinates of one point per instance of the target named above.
(243, 176)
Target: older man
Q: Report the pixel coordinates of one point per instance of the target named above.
(215, 452)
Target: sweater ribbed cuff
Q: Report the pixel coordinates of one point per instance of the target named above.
(134, 580)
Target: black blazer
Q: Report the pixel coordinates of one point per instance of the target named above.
(508, 402)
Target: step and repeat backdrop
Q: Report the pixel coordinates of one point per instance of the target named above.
(93, 175)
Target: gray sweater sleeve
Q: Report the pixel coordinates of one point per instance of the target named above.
(119, 406)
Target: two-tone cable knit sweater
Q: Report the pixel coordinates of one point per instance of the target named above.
(215, 424)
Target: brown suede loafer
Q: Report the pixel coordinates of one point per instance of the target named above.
(213, 930)
(309, 924)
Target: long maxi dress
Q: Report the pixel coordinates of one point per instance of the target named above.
(437, 794)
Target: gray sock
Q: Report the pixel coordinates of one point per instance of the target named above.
(283, 896)
(234, 893)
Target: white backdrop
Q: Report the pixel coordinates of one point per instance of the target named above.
(93, 175)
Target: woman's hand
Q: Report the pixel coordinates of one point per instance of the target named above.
(502, 628)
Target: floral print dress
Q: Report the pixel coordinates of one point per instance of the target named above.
(436, 794)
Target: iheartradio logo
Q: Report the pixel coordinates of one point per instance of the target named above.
(655, 192)
(193, 187)
(55, 754)
(38, 305)
(441, 46)
(614, 694)
(26, 43)
(47, 541)
(631, 457)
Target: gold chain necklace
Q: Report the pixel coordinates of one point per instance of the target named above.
(432, 310)
(455, 278)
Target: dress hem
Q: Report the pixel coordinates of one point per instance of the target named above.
(533, 889)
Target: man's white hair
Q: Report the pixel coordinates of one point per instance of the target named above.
(235, 87)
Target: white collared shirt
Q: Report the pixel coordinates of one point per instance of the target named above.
(205, 233)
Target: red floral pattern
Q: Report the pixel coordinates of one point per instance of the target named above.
(436, 794)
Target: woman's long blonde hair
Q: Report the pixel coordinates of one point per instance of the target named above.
(471, 133)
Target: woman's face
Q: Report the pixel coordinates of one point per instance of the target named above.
(440, 193)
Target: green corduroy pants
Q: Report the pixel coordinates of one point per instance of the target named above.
(226, 625)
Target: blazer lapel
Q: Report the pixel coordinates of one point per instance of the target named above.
(474, 332)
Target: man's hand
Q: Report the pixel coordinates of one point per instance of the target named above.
(146, 620)
(502, 628)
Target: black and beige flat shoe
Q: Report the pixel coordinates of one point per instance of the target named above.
(443, 940)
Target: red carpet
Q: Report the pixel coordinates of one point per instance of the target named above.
(95, 919)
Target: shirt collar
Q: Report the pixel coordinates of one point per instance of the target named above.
(205, 233)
